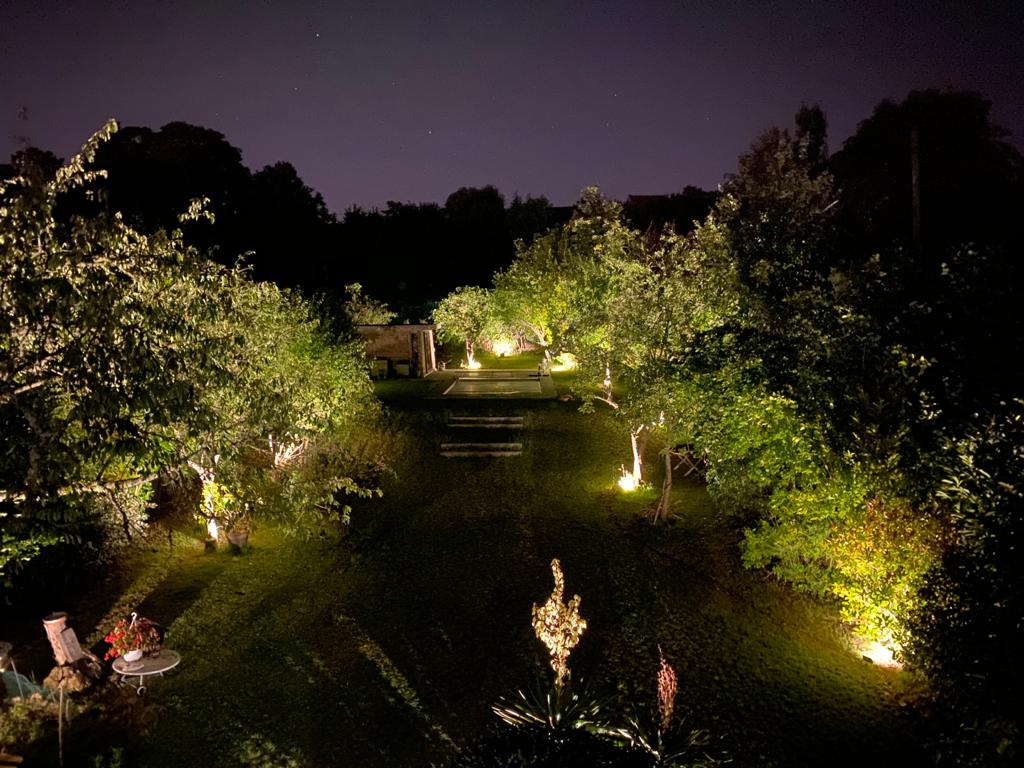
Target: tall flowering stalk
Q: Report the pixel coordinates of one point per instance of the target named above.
(667, 689)
(559, 625)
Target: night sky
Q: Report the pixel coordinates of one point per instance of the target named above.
(377, 101)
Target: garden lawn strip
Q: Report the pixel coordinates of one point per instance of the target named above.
(758, 665)
(389, 649)
(272, 659)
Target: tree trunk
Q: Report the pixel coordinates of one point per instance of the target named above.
(638, 441)
(66, 649)
(661, 511)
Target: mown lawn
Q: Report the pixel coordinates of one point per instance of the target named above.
(388, 648)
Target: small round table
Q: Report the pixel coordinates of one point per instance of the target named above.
(146, 667)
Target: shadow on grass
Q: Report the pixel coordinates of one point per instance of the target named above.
(389, 649)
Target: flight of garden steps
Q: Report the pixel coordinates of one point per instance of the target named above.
(479, 436)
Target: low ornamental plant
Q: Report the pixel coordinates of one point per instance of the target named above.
(131, 635)
(561, 706)
(668, 744)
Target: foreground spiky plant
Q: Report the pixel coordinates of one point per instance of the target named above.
(666, 692)
(667, 744)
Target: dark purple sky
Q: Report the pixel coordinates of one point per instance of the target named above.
(377, 101)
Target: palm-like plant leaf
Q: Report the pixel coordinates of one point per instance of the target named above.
(554, 708)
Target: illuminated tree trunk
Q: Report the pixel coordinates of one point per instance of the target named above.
(638, 441)
(606, 386)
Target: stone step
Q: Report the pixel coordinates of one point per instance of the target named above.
(474, 454)
(461, 421)
(481, 446)
(483, 425)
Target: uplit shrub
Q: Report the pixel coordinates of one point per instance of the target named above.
(881, 555)
(836, 539)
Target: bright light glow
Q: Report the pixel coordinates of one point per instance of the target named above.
(471, 364)
(881, 654)
(627, 481)
(564, 362)
(501, 347)
(211, 527)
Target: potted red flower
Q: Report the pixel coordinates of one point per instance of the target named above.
(131, 638)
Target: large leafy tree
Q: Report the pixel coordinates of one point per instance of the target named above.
(679, 294)
(288, 234)
(478, 237)
(153, 174)
(949, 296)
(105, 347)
(271, 218)
(289, 428)
(125, 354)
(780, 243)
(361, 309)
(968, 176)
(575, 290)
(465, 316)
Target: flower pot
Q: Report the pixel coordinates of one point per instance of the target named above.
(133, 655)
(56, 620)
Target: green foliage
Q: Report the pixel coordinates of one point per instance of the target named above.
(822, 521)
(115, 761)
(25, 721)
(105, 343)
(260, 752)
(362, 310)
(881, 553)
(464, 315)
(127, 354)
(554, 707)
(678, 746)
(556, 292)
(293, 430)
(758, 447)
(536, 748)
(967, 634)
(19, 543)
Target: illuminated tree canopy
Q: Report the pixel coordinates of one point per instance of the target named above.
(830, 423)
(125, 355)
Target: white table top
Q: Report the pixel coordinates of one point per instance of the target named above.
(148, 665)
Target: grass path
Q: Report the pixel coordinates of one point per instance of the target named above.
(389, 649)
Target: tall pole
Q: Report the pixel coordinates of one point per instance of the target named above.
(915, 187)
